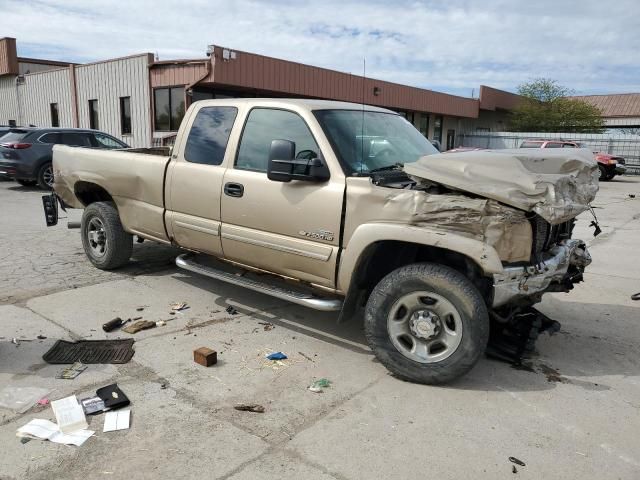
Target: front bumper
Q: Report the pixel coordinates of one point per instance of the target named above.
(620, 169)
(563, 265)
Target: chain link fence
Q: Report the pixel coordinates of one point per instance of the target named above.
(626, 146)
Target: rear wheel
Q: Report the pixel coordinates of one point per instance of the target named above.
(105, 242)
(427, 323)
(45, 176)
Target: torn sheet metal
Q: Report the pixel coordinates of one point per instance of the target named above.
(504, 228)
(555, 185)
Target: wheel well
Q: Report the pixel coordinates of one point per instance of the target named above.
(381, 258)
(89, 193)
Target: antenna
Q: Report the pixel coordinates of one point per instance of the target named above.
(364, 79)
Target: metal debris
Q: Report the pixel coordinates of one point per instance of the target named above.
(517, 461)
(249, 407)
(231, 310)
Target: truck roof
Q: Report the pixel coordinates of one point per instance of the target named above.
(306, 103)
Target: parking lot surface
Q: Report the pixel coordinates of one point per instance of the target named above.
(574, 414)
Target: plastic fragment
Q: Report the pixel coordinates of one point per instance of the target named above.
(277, 356)
(319, 385)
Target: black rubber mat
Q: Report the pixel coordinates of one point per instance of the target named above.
(90, 351)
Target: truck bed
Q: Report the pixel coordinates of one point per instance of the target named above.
(134, 179)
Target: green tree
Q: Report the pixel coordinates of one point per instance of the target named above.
(547, 107)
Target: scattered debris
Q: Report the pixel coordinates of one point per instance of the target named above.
(231, 310)
(15, 341)
(514, 469)
(631, 195)
(72, 371)
(267, 326)
(41, 337)
(92, 405)
(113, 397)
(21, 399)
(43, 401)
(179, 306)
(276, 356)
(24, 440)
(46, 430)
(319, 385)
(205, 356)
(69, 414)
(163, 386)
(635, 296)
(139, 326)
(307, 357)
(139, 309)
(90, 352)
(517, 461)
(118, 420)
(161, 323)
(552, 374)
(113, 324)
(249, 407)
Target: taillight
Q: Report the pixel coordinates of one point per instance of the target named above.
(16, 146)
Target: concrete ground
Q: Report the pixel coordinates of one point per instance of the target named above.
(576, 415)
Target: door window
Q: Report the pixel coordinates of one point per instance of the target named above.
(75, 139)
(209, 135)
(105, 141)
(265, 125)
(50, 138)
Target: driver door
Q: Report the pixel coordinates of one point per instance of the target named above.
(293, 228)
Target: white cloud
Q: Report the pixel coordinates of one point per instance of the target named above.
(589, 46)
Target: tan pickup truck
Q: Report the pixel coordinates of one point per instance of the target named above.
(346, 206)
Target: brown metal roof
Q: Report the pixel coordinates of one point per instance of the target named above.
(615, 105)
(492, 99)
(249, 70)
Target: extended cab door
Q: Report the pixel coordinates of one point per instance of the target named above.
(292, 229)
(194, 179)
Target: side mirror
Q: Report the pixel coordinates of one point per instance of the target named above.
(284, 166)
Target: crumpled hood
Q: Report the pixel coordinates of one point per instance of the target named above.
(557, 185)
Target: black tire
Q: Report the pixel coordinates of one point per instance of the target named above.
(43, 176)
(604, 174)
(26, 183)
(118, 244)
(453, 287)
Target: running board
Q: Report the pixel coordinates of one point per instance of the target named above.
(187, 262)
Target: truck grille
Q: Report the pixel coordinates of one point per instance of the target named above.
(546, 235)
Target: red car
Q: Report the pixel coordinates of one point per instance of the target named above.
(610, 165)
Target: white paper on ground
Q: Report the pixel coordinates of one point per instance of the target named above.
(46, 430)
(116, 420)
(69, 414)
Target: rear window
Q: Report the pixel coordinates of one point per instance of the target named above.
(553, 145)
(209, 134)
(14, 135)
(530, 144)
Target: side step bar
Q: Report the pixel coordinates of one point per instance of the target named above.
(186, 262)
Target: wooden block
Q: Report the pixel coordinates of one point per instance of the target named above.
(205, 356)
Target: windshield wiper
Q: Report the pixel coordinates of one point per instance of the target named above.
(395, 166)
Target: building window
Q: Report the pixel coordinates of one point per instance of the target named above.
(55, 119)
(209, 135)
(437, 129)
(93, 114)
(125, 115)
(169, 108)
(12, 123)
(424, 124)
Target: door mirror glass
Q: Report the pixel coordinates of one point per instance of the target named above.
(284, 165)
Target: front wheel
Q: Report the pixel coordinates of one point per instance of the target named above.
(105, 242)
(427, 323)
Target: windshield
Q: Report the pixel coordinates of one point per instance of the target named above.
(385, 140)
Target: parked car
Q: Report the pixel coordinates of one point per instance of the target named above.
(4, 129)
(25, 152)
(609, 165)
(435, 249)
(464, 149)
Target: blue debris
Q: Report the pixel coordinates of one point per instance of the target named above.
(276, 356)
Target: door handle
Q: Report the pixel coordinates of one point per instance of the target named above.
(234, 189)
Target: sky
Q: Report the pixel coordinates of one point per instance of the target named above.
(590, 46)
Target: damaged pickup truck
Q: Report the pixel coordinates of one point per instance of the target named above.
(338, 206)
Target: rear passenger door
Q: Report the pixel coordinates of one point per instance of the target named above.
(194, 179)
